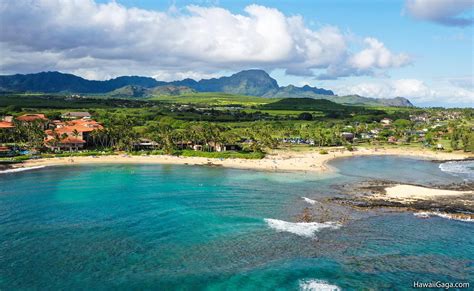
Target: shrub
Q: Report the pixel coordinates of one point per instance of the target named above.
(223, 155)
(323, 152)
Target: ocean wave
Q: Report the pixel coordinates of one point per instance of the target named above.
(317, 285)
(442, 215)
(310, 201)
(459, 168)
(21, 169)
(306, 229)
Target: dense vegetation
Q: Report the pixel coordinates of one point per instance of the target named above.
(173, 122)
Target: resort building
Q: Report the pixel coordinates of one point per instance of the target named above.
(6, 151)
(76, 115)
(28, 118)
(7, 118)
(70, 135)
(6, 124)
(66, 143)
(32, 117)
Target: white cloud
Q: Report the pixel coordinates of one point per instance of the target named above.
(376, 55)
(104, 40)
(445, 12)
(416, 90)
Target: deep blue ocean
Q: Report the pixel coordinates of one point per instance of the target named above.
(169, 227)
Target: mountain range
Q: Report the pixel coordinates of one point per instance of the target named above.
(248, 82)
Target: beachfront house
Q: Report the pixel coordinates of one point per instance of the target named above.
(392, 139)
(223, 147)
(348, 136)
(145, 144)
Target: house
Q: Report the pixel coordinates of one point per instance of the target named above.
(392, 139)
(349, 136)
(145, 144)
(76, 115)
(223, 147)
(386, 122)
(366, 135)
(197, 147)
(183, 145)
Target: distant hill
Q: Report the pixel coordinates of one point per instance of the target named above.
(331, 109)
(55, 82)
(133, 91)
(360, 100)
(308, 104)
(249, 82)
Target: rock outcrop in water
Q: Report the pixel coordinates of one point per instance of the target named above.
(372, 195)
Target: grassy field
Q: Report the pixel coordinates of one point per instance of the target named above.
(216, 99)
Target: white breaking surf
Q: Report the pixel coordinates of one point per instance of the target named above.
(306, 229)
(458, 168)
(310, 201)
(21, 169)
(317, 285)
(442, 215)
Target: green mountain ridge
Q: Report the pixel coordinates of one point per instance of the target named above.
(132, 91)
(250, 83)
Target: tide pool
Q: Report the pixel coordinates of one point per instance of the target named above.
(187, 227)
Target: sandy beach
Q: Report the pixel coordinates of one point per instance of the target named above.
(310, 161)
(410, 192)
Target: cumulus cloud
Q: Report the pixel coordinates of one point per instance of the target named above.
(376, 55)
(106, 40)
(416, 90)
(445, 12)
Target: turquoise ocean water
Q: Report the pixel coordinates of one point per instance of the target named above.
(169, 227)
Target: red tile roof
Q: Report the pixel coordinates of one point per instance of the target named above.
(6, 124)
(31, 117)
(66, 140)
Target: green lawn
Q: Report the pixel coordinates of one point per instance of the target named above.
(215, 99)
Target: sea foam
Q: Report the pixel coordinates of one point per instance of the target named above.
(459, 168)
(21, 169)
(310, 201)
(306, 229)
(443, 215)
(317, 285)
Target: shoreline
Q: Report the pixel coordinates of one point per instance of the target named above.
(277, 161)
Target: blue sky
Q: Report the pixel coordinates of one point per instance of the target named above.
(422, 49)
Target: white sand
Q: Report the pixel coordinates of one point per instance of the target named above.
(409, 192)
(310, 161)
